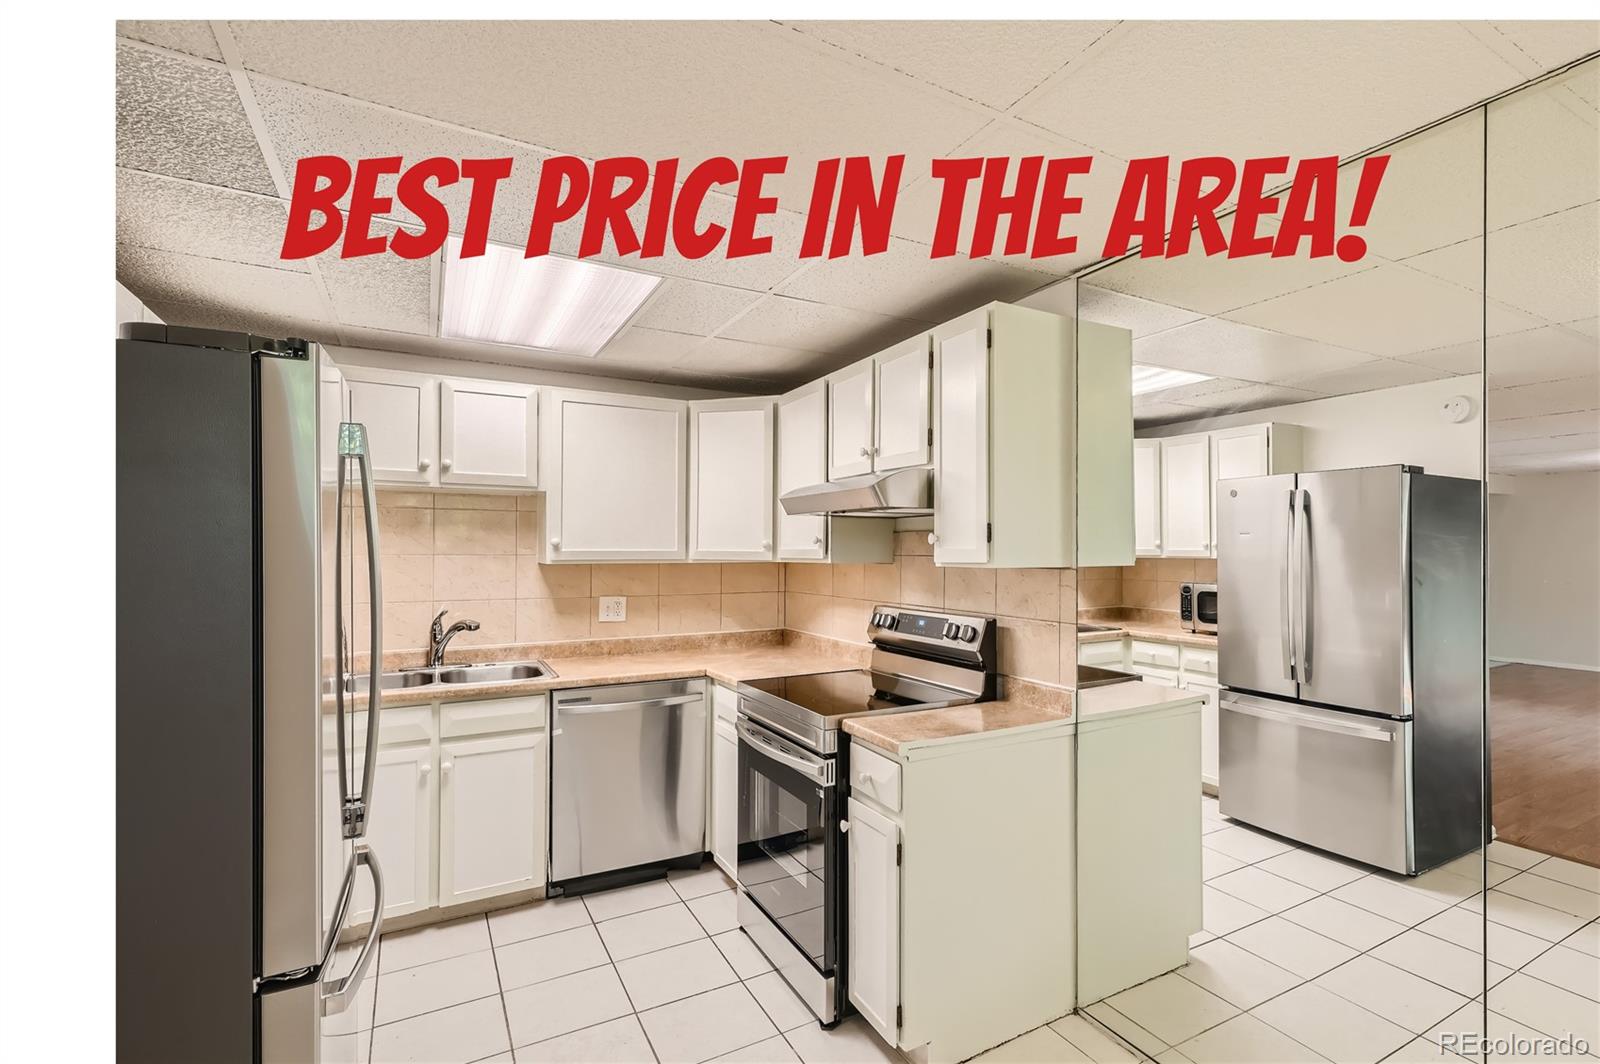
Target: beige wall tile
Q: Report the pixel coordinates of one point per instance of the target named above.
(806, 613)
(691, 578)
(412, 499)
(530, 501)
(1069, 655)
(529, 531)
(1174, 568)
(1096, 593)
(1205, 570)
(743, 577)
(881, 582)
(406, 578)
(551, 581)
(544, 620)
(810, 578)
(474, 532)
(644, 618)
(970, 590)
(405, 530)
(455, 500)
(850, 618)
(475, 576)
(690, 613)
(405, 626)
(497, 620)
(622, 579)
(912, 543)
(849, 581)
(1034, 593)
(921, 582)
(1030, 649)
(750, 610)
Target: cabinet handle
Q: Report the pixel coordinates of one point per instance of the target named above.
(866, 452)
(445, 766)
(555, 544)
(422, 465)
(816, 541)
(933, 537)
(424, 769)
(877, 451)
(766, 544)
(446, 464)
(844, 826)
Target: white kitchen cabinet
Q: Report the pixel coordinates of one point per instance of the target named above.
(850, 420)
(730, 479)
(904, 430)
(1105, 653)
(1105, 445)
(802, 460)
(1147, 498)
(1004, 440)
(491, 815)
(1251, 451)
(488, 434)
(332, 405)
(401, 413)
(615, 476)
(1208, 728)
(874, 906)
(725, 795)
(1186, 496)
(400, 831)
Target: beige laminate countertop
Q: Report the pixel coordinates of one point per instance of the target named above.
(1161, 633)
(891, 732)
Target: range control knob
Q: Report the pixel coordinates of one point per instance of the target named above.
(890, 620)
(877, 620)
(952, 630)
(969, 634)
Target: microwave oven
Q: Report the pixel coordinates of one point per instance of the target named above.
(1197, 607)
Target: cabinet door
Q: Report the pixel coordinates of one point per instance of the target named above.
(1208, 729)
(621, 480)
(730, 480)
(1240, 452)
(488, 434)
(904, 429)
(1186, 496)
(802, 460)
(874, 890)
(331, 409)
(961, 441)
(401, 413)
(725, 797)
(1147, 498)
(850, 421)
(400, 831)
(491, 815)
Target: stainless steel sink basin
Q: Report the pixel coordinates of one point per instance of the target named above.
(495, 672)
(387, 681)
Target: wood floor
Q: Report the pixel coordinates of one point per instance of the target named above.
(1544, 749)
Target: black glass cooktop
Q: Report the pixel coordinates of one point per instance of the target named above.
(838, 694)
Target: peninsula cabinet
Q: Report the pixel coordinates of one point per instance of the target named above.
(1004, 439)
(730, 479)
(615, 477)
(401, 413)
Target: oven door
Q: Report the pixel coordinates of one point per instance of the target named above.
(1205, 608)
(789, 859)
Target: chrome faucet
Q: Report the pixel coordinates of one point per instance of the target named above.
(439, 637)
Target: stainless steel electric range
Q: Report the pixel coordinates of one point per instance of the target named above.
(793, 773)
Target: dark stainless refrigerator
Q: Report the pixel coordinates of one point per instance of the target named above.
(1350, 650)
(239, 514)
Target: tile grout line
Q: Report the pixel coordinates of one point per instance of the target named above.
(617, 974)
(500, 985)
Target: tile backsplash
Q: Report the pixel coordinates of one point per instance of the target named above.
(1030, 604)
(475, 555)
(1148, 584)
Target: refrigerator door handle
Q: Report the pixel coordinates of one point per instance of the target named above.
(338, 993)
(1286, 584)
(1303, 652)
(1303, 720)
(355, 809)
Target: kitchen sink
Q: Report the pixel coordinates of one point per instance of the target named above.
(387, 681)
(495, 672)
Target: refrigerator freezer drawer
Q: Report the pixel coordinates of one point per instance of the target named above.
(1336, 781)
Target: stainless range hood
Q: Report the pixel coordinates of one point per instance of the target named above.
(900, 493)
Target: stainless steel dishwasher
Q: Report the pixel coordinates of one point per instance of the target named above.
(627, 781)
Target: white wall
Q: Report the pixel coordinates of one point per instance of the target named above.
(129, 308)
(1395, 425)
(1544, 570)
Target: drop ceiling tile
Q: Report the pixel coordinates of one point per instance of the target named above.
(1159, 413)
(1140, 316)
(1550, 397)
(1251, 397)
(1432, 192)
(206, 220)
(381, 291)
(796, 323)
(692, 307)
(1578, 441)
(1549, 267)
(182, 117)
(1544, 148)
(652, 89)
(1363, 81)
(740, 358)
(1389, 310)
(903, 281)
(637, 347)
(1587, 326)
(1565, 462)
(1207, 390)
(1547, 354)
(1367, 377)
(1227, 349)
(1551, 43)
(193, 36)
(244, 320)
(1533, 428)
(994, 63)
(167, 277)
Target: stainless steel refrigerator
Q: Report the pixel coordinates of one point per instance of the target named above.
(237, 521)
(1350, 650)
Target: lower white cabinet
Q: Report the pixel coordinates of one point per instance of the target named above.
(1168, 665)
(491, 815)
(725, 796)
(1208, 729)
(400, 832)
(873, 843)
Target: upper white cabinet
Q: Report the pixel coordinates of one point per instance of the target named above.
(730, 479)
(1004, 439)
(802, 460)
(401, 413)
(850, 420)
(615, 477)
(1186, 496)
(904, 433)
(1251, 451)
(332, 406)
(1106, 506)
(1147, 498)
(487, 434)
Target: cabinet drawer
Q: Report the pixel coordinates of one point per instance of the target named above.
(1104, 652)
(875, 776)
(1142, 652)
(408, 724)
(1196, 659)
(724, 702)
(491, 715)
(1155, 674)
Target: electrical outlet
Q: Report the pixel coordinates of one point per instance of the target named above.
(613, 608)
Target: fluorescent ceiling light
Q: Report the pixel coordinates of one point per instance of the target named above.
(566, 306)
(1148, 379)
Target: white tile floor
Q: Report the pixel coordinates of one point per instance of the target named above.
(1303, 958)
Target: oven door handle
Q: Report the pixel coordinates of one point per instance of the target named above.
(818, 770)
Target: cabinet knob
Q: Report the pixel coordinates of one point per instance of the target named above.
(424, 768)
(766, 544)
(866, 452)
(933, 537)
(816, 541)
(422, 465)
(877, 451)
(555, 544)
(446, 766)
(844, 825)
(446, 464)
